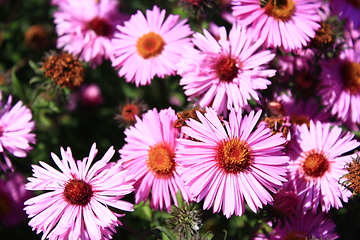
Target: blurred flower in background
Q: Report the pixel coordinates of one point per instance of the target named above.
(15, 131)
(12, 197)
(86, 27)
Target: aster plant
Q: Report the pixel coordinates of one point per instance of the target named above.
(150, 155)
(16, 136)
(318, 159)
(280, 23)
(77, 198)
(231, 119)
(231, 163)
(85, 28)
(225, 74)
(149, 46)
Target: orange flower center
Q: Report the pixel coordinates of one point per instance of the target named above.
(226, 69)
(78, 192)
(161, 159)
(100, 26)
(350, 73)
(295, 235)
(315, 164)
(354, 3)
(281, 10)
(150, 45)
(233, 156)
(129, 112)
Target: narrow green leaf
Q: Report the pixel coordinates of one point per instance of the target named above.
(166, 231)
(17, 87)
(208, 236)
(33, 65)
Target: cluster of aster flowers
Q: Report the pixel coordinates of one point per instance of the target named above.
(272, 106)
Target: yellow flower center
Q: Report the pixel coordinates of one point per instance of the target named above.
(281, 10)
(150, 45)
(161, 159)
(315, 164)
(233, 155)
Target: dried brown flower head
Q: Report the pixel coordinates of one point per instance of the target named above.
(64, 69)
(279, 125)
(37, 37)
(353, 176)
(186, 115)
(324, 37)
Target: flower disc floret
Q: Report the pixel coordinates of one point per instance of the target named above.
(282, 10)
(233, 155)
(150, 45)
(78, 192)
(315, 164)
(161, 159)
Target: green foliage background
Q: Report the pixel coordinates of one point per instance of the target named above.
(56, 126)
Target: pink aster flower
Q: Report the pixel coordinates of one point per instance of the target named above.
(287, 24)
(317, 165)
(150, 155)
(225, 74)
(149, 46)
(340, 87)
(86, 27)
(307, 226)
(12, 195)
(15, 128)
(348, 10)
(231, 163)
(77, 198)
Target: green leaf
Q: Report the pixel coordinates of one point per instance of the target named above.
(35, 80)
(166, 231)
(17, 87)
(208, 236)
(33, 65)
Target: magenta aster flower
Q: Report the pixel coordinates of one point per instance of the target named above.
(348, 10)
(307, 226)
(76, 203)
(15, 128)
(149, 46)
(287, 24)
(225, 74)
(340, 85)
(85, 28)
(150, 155)
(231, 162)
(318, 164)
(12, 197)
